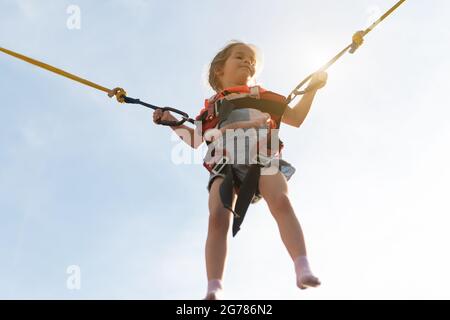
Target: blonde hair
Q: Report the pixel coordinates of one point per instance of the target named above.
(220, 59)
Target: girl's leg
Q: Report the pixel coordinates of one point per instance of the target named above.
(216, 242)
(275, 192)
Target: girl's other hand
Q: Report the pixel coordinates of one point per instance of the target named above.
(318, 80)
(159, 115)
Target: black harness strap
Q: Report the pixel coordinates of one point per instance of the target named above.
(246, 193)
(226, 189)
(225, 106)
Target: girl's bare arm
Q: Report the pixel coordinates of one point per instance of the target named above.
(296, 115)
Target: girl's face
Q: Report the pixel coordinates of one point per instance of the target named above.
(239, 68)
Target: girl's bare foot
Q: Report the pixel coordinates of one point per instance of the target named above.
(215, 290)
(307, 280)
(212, 296)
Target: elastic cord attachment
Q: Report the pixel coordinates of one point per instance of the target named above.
(357, 41)
(120, 94)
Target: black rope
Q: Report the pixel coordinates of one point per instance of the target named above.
(184, 115)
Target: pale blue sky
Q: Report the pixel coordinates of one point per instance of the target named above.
(85, 181)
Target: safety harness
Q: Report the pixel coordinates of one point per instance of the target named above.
(216, 111)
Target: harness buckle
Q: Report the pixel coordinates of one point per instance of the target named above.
(263, 160)
(219, 165)
(216, 108)
(217, 162)
(254, 92)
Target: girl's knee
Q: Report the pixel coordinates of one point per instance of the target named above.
(219, 221)
(279, 202)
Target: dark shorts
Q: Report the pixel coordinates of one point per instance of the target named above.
(241, 170)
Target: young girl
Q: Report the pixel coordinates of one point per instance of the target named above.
(234, 66)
